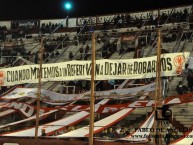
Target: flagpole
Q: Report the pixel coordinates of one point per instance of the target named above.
(159, 97)
(92, 97)
(158, 86)
(39, 88)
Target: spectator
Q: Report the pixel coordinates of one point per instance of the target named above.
(86, 52)
(61, 89)
(81, 52)
(98, 39)
(43, 132)
(36, 58)
(104, 134)
(181, 89)
(57, 53)
(185, 72)
(111, 133)
(127, 131)
(122, 50)
(122, 133)
(87, 49)
(76, 41)
(44, 56)
(67, 37)
(117, 131)
(105, 24)
(165, 86)
(167, 136)
(84, 83)
(70, 55)
(105, 85)
(190, 82)
(78, 30)
(111, 84)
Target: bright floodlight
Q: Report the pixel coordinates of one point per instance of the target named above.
(68, 6)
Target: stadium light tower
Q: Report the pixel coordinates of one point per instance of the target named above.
(67, 6)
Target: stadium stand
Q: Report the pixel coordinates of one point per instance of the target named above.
(20, 42)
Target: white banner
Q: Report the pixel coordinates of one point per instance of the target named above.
(13, 110)
(25, 109)
(100, 107)
(53, 97)
(172, 65)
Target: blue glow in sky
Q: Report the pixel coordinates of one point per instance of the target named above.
(68, 5)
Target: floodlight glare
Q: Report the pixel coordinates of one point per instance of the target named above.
(68, 6)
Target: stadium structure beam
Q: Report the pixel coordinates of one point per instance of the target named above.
(39, 88)
(92, 97)
(158, 100)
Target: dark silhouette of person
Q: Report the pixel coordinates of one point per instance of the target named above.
(70, 55)
(167, 136)
(190, 82)
(181, 89)
(43, 132)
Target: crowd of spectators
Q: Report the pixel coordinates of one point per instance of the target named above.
(112, 133)
(125, 20)
(11, 48)
(49, 27)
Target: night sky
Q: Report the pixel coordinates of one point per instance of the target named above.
(49, 9)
